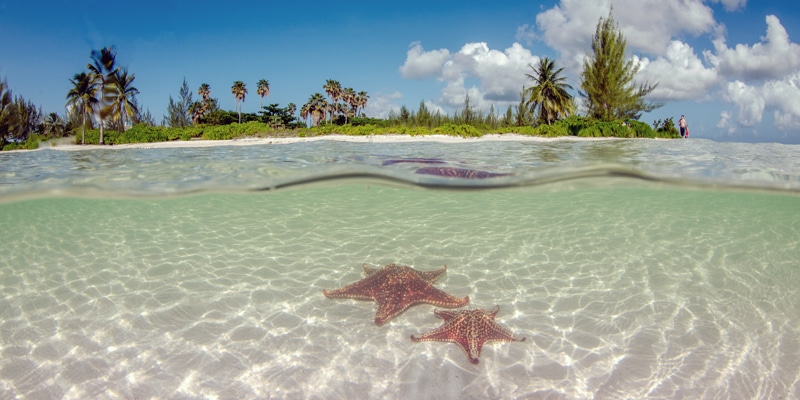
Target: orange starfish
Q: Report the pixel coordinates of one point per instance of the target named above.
(395, 288)
(470, 329)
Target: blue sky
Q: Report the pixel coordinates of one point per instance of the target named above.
(731, 66)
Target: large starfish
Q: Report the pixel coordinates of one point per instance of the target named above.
(395, 288)
(470, 329)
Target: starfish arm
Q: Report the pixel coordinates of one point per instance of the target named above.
(472, 346)
(345, 293)
(431, 276)
(363, 289)
(446, 315)
(500, 334)
(440, 334)
(440, 298)
(369, 270)
(450, 333)
(388, 311)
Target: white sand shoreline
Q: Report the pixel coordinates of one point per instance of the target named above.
(509, 137)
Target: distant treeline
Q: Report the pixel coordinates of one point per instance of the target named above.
(571, 126)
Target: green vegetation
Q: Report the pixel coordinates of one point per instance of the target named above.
(104, 97)
(239, 90)
(178, 112)
(548, 98)
(607, 79)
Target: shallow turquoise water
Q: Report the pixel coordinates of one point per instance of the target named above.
(623, 287)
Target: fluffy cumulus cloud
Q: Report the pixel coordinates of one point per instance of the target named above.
(423, 64)
(774, 57)
(781, 96)
(569, 26)
(724, 122)
(498, 75)
(749, 101)
(753, 78)
(680, 74)
(380, 105)
(764, 77)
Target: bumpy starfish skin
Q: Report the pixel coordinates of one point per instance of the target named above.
(470, 329)
(395, 288)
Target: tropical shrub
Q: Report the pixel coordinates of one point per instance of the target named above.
(666, 128)
(554, 130)
(605, 129)
(462, 130)
(140, 134)
(641, 129)
(31, 143)
(235, 130)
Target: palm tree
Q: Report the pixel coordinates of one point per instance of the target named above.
(201, 108)
(102, 70)
(83, 96)
(549, 94)
(239, 90)
(263, 91)
(304, 111)
(54, 126)
(315, 107)
(123, 102)
(361, 101)
(197, 110)
(204, 91)
(334, 91)
(349, 98)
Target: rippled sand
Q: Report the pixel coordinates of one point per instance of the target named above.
(621, 293)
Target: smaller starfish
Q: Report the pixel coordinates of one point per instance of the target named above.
(395, 288)
(470, 329)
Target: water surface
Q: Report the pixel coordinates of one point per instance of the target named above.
(173, 273)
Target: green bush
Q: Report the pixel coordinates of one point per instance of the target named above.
(605, 129)
(232, 131)
(554, 130)
(32, 143)
(641, 129)
(462, 130)
(140, 134)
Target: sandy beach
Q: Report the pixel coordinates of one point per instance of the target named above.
(347, 138)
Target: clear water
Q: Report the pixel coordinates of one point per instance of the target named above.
(659, 269)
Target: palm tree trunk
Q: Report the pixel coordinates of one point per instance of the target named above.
(101, 127)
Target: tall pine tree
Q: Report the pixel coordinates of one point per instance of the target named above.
(607, 79)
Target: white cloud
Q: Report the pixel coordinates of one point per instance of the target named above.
(725, 122)
(500, 75)
(570, 25)
(379, 105)
(680, 74)
(780, 95)
(753, 77)
(731, 5)
(526, 34)
(749, 101)
(785, 121)
(423, 64)
(773, 58)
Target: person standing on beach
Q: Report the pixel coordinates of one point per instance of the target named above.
(684, 127)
